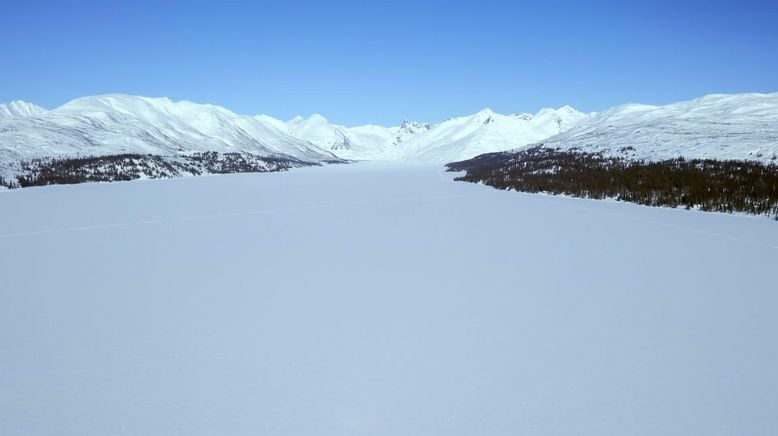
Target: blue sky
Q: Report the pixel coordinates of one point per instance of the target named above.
(358, 62)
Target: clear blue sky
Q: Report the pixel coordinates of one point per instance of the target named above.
(372, 61)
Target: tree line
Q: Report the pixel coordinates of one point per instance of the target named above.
(705, 184)
(123, 167)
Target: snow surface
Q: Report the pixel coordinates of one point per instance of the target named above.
(718, 126)
(379, 300)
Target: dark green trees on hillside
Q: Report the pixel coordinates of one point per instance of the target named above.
(710, 185)
(63, 171)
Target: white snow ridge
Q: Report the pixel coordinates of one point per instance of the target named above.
(719, 126)
(19, 108)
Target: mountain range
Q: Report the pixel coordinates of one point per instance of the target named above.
(723, 126)
(452, 139)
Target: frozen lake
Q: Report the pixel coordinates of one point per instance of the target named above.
(378, 299)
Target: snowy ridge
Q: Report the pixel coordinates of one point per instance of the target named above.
(718, 126)
(116, 124)
(361, 142)
(453, 139)
(19, 108)
(483, 132)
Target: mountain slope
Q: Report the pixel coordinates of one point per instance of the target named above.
(318, 131)
(718, 126)
(453, 139)
(121, 124)
(361, 142)
(486, 131)
(715, 153)
(19, 108)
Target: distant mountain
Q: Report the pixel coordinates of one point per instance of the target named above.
(453, 139)
(718, 126)
(19, 108)
(486, 131)
(361, 142)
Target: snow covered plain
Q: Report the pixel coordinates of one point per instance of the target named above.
(378, 299)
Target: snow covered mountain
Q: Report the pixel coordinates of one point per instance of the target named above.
(483, 132)
(361, 142)
(453, 139)
(19, 108)
(117, 124)
(721, 126)
(718, 126)
(738, 126)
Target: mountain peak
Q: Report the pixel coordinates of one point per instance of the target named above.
(525, 116)
(413, 125)
(485, 116)
(567, 109)
(319, 118)
(19, 108)
(485, 112)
